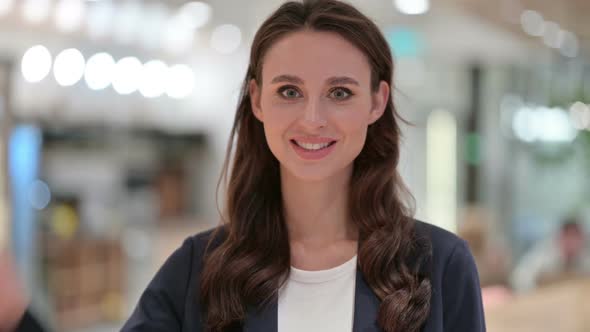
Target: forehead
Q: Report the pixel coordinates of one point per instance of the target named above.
(313, 55)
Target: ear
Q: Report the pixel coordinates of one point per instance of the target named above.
(380, 99)
(254, 92)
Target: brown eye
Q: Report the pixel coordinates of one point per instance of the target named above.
(340, 94)
(289, 92)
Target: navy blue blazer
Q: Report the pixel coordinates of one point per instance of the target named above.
(170, 302)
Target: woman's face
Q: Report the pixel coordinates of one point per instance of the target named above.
(315, 91)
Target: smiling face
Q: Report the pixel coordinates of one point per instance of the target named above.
(316, 103)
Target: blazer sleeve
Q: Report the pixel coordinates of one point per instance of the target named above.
(161, 306)
(462, 303)
(28, 323)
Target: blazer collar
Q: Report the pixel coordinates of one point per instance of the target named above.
(366, 307)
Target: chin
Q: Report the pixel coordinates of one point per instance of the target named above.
(308, 174)
(316, 173)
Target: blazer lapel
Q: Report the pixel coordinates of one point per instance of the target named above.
(366, 307)
(264, 319)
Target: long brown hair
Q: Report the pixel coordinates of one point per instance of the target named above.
(251, 263)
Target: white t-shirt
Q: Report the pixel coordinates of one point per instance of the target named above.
(318, 300)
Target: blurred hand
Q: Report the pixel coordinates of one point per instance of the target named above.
(13, 301)
(495, 296)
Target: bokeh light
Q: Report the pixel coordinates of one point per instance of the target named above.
(412, 7)
(69, 14)
(552, 35)
(69, 66)
(178, 38)
(39, 195)
(99, 71)
(153, 82)
(543, 124)
(532, 23)
(36, 63)
(569, 44)
(127, 76)
(180, 81)
(99, 19)
(128, 20)
(35, 11)
(580, 115)
(195, 14)
(152, 34)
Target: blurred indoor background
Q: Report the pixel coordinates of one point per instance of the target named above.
(115, 115)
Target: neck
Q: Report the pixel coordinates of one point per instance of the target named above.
(316, 212)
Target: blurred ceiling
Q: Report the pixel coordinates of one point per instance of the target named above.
(572, 15)
(454, 32)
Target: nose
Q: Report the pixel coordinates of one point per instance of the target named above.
(313, 115)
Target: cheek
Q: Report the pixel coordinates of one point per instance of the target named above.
(353, 126)
(358, 139)
(353, 122)
(276, 120)
(277, 114)
(276, 124)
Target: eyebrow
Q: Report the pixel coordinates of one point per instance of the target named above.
(287, 79)
(342, 80)
(331, 81)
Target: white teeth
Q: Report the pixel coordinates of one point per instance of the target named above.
(310, 146)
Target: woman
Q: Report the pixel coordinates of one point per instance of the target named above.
(316, 234)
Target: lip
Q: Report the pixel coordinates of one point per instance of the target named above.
(313, 139)
(313, 155)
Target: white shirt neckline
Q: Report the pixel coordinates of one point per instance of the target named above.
(320, 276)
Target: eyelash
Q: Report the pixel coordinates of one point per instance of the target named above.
(287, 87)
(347, 91)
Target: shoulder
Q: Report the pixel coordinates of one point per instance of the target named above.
(170, 301)
(450, 255)
(456, 303)
(192, 248)
(195, 246)
(442, 241)
(206, 240)
(182, 266)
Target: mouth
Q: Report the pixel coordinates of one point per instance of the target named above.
(313, 147)
(312, 152)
